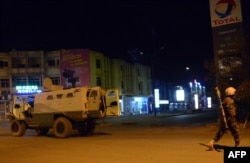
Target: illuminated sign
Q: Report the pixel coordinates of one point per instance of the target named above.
(157, 98)
(180, 95)
(196, 101)
(223, 12)
(75, 63)
(27, 89)
(209, 102)
(164, 102)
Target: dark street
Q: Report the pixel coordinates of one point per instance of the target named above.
(165, 138)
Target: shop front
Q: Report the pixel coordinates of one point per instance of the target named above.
(134, 105)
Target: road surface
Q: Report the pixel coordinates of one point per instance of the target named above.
(172, 139)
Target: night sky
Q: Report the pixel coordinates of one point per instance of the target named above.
(174, 34)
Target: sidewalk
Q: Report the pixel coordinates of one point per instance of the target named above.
(148, 118)
(134, 119)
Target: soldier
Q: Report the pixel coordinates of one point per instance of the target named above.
(230, 113)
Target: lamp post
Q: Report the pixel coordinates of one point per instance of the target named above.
(155, 58)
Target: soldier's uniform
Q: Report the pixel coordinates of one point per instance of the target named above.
(230, 114)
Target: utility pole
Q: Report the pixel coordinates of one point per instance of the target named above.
(153, 64)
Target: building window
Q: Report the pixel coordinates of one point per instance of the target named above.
(148, 74)
(140, 86)
(98, 63)
(122, 84)
(138, 72)
(34, 63)
(18, 81)
(98, 81)
(18, 63)
(5, 83)
(3, 64)
(53, 62)
(34, 81)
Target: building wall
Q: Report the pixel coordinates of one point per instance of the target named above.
(23, 68)
(133, 82)
(142, 74)
(107, 73)
(52, 66)
(131, 79)
(99, 70)
(4, 75)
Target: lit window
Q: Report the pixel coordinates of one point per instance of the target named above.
(34, 81)
(17, 81)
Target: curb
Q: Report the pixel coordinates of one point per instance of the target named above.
(136, 119)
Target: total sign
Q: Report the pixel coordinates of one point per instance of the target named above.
(224, 12)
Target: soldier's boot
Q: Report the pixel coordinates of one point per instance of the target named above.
(211, 144)
(237, 142)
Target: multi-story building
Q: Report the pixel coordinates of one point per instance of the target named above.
(22, 72)
(133, 81)
(52, 68)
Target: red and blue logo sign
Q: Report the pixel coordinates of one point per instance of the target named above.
(224, 8)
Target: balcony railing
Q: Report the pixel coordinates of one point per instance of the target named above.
(26, 70)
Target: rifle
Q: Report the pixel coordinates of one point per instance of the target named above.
(221, 106)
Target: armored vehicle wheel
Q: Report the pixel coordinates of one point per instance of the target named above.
(17, 128)
(62, 127)
(42, 131)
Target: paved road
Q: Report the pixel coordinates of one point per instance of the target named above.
(123, 140)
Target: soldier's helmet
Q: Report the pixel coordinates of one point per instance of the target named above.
(230, 91)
